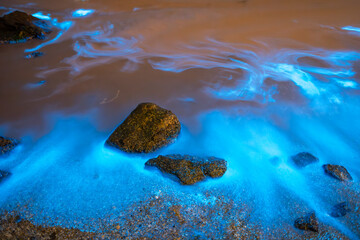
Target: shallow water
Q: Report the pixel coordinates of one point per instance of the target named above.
(253, 82)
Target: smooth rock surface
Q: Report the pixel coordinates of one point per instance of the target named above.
(337, 172)
(189, 169)
(303, 159)
(7, 145)
(147, 128)
(308, 223)
(19, 26)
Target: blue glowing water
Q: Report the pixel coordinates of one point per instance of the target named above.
(83, 12)
(254, 104)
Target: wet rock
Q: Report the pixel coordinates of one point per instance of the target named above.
(340, 210)
(4, 175)
(147, 128)
(34, 55)
(303, 159)
(13, 227)
(308, 223)
(7, 145)
(189, 169)
(19, 27)
(338, 172)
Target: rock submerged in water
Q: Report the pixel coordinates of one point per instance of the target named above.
(147, 128)
(4, 175)
(34, 55)
(308, 223)
(19, 27)
(7, 145)
(303, 159)
(338, 172)
(189, 169)
(340, 210)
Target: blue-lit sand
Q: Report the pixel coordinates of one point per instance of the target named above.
(253, 104)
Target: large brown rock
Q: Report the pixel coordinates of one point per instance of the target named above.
(189, 169)
(337, 172)
(147, 128)
(7, 145)
(19, 26)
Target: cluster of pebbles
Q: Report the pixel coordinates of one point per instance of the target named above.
(310, 221)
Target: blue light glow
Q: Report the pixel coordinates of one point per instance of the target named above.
(63, 26)
(306, 99)
(352, 29)
(82, 13)
(41, 16)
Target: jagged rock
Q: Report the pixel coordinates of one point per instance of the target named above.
(4, 175)
(303, 159)
(309, 223)
(19, 26)
(340, 210)
(147, 128)
(189, 169)
(7, 145)
(338, 172)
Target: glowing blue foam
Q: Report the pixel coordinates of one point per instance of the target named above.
(82, 12)
(299, 77)
(41, 16)
(351, 28)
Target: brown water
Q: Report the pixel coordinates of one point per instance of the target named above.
(249, 80)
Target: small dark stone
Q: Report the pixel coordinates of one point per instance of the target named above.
(340, 210)
(189, 169)
(7, 145)
(303, 159)
(53, 236)
(34, 55)
(4, 175)
(19, 26)
(338, 172)
(308, 223)
(147, 128)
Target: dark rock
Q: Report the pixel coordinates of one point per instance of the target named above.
(147, 128)
(4, 175)
(19, 27)
(303, 159)
(189, 169)
(340, 210)
(7, 145)
(308, 223)
(14, 227)
(338, 172)
(34, 55)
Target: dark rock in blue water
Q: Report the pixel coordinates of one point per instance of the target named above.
(189, 169)
(308, 223)
(34, 55)
(303, 159)
(19, 27)
(4, 175)
(340, 210)
(337, 172)
(7, 145)
(147, 128)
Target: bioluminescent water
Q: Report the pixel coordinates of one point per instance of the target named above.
(253, 82)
